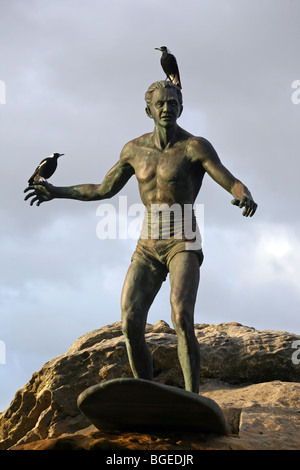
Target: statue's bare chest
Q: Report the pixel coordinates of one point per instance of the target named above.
(165, 166)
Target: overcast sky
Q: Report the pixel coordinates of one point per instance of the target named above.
(73, 76)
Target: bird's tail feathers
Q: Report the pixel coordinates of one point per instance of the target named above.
(175, 79)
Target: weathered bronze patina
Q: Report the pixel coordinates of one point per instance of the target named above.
(169, 164)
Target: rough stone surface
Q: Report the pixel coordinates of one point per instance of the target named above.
(249, 373)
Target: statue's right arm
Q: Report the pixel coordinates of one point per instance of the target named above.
(113, 182)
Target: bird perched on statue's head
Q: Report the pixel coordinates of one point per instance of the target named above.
(169, 65)
(45, 169)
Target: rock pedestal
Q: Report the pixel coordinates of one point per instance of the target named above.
(249, 373)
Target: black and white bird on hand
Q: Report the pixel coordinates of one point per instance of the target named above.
(169, 65)
(45, 169)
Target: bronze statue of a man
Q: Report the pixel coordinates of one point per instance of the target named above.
(169, 164)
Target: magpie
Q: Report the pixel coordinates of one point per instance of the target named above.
(45, 169)
(169, 65)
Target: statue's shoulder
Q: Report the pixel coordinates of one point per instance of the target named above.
(133, 145)
(192, 141)
(199, 148)
(198, 142)
(142, 140)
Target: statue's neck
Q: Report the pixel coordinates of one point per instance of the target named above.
(165, 136)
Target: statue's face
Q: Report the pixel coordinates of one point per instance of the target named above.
(165, 107)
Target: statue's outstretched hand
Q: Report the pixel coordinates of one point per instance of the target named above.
(41, 192)
(246, 202)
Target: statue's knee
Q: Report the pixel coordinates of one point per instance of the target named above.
(131, 327)
(180, 321)
(127, 315)
(181, 317)
(126, 324)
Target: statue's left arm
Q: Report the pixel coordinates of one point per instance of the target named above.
(113, 182)
(204, 151)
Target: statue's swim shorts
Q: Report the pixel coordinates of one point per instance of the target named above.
(165, 232)
(157, 254)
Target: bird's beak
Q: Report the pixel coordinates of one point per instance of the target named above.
(158, 48)
(60, 154)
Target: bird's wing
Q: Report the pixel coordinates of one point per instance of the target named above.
(172, 63)
(172, 70)
(36, 171)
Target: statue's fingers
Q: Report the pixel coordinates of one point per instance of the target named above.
(243, 202)
(235, 202)
(250, 208)
(247, 211)
(253, 209)
(29, 195)
(34, 200)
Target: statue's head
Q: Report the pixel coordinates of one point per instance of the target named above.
(162, 85)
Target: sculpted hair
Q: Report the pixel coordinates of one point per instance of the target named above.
(162, 84)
